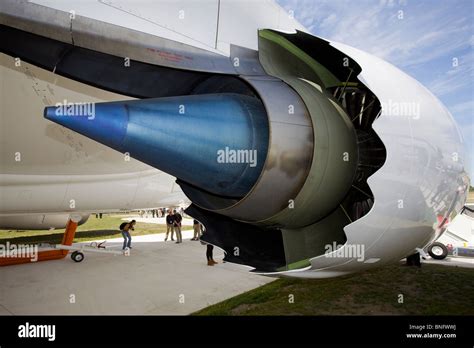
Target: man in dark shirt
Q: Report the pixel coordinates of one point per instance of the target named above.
(169, 225)
(177, 226)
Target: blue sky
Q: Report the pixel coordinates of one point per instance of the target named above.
(424, 44)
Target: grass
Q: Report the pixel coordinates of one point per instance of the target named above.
(429, 290)
(470, 197)
(93, 229)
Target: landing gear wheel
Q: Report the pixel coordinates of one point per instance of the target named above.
(77, 256)
(438, 251)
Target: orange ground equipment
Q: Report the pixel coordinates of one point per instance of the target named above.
(46, 255)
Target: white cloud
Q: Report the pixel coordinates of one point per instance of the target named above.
(428, 30)
(456, 79)
(329, 21)
(464, 107)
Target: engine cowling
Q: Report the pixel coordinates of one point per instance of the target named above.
(303, 170)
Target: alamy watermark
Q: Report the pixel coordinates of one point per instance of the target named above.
(228, 155)
(356, 251)
(75, 109)
(19, 251)
(401, 109)
(28, 330)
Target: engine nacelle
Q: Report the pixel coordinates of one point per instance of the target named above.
(329, 162)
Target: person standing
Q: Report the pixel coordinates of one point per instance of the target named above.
(177, 226)
(127, 238)
(197, 230)
(209, 256)
(169, 225)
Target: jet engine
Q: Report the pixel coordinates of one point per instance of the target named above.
(305, 158)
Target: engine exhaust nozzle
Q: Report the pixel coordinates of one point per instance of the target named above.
(216, 142)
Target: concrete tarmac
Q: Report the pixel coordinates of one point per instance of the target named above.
(465, 262)
(158, 277)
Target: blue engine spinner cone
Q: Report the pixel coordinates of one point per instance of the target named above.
(217, 142)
